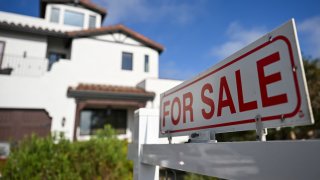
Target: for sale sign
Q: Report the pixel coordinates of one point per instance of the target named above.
(265, 79)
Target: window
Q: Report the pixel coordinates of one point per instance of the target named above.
(73, 18)
(55, 14)
(146, 63)
(92, 21)
(92, 120)
(127, 61)
(2, 45)
(53, 58)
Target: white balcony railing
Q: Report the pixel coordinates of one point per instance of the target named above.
(28, 66)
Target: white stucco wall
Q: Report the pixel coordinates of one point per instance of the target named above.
(18, 43)
(157, 86)
(25, 53)
(101, 60)
(47, 92)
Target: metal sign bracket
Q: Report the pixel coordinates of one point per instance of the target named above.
(261, 132)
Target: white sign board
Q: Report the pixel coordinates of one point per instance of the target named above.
(264, 79)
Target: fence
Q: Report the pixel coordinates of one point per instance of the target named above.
(232, 160)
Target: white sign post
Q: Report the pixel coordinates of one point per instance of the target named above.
(264, 80)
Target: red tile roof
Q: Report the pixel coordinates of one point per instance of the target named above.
(117, 28)
(111, 89)
(12, 26)
(83, 33)
(85, 3)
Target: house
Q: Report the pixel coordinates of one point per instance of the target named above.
(65, 72)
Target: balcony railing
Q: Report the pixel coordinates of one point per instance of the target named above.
(24, 66)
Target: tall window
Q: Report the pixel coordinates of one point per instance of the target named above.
(127, 61)
(146, 63)
(73, 18)
(92, 21)
(55, 14)
(92, 120)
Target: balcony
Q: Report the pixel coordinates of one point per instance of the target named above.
(23, 66)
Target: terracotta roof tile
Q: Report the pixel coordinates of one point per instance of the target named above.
(31, 29)
(91, 5)
(117, 28)
(83, 33)
(111, 89)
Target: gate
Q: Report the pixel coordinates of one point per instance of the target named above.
(15, 124)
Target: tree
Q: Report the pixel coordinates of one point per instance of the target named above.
(312, 72)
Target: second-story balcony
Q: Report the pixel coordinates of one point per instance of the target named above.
(23, 66)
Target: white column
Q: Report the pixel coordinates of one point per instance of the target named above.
(145, 131)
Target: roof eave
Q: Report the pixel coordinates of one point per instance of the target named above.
(118, 29)
(32, 30)
(81, 94)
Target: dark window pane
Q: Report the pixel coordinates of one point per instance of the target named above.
(146, 63)
(54, 57)
(126, 61)
(85, 122)
(73, 18)
(55, 14)
(2, 44)
(92, 120)
(92, 21)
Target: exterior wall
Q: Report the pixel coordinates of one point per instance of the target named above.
(101, 60)
(157, 86)
(25, 66)
(18, 43)
(84, 11)
(25, 53)
(47, 92)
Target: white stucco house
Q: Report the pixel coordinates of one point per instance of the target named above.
(64, 72)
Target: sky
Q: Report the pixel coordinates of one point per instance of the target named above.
(197, 34)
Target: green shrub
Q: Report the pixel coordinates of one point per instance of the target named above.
(102, 157)
(192, 176)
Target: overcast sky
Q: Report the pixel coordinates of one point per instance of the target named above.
(199, 33)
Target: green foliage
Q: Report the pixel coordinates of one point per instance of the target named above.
(102, 157)
(2, 164)
(236, 136)
(312, 72)
(191, 176)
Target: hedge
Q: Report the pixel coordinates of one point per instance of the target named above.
(102, 157)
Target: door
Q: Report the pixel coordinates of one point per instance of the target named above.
(18, 123)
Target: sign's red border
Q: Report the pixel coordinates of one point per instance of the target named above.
(246, 121)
